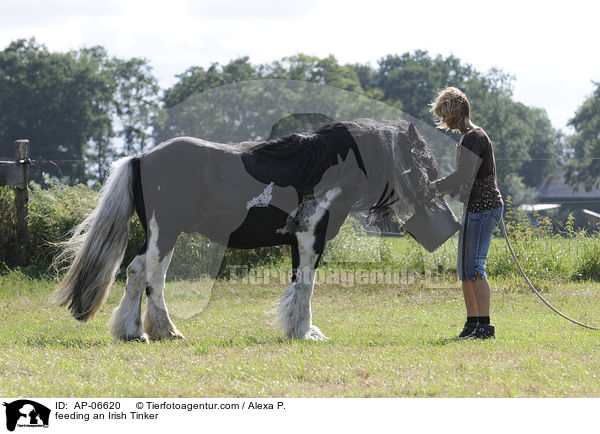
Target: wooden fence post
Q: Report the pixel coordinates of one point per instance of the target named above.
(21, 201)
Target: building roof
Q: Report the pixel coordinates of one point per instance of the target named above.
(539, 206)
(554, 189)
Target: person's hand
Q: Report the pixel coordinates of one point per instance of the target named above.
(432, 187)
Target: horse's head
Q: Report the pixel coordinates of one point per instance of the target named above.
(414, 168)
(432, 221)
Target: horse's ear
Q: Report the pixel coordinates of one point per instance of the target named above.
(414, 137)
(412, 132)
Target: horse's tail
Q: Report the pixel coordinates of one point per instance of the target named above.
(98, 244)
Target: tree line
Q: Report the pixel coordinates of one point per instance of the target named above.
(84, 108)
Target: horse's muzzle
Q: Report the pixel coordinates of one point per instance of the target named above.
(432, 228)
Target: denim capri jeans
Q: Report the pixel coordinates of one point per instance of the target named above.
(475, 237)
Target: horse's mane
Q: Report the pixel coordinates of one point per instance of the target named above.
(328, 133)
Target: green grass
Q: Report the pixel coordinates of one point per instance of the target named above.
(548, 257)
(385, 341)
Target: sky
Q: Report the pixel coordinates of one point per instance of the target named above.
(549, 47)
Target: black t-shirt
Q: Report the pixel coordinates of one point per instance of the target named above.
(475, 173)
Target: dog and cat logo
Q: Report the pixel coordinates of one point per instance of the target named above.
(26, 413)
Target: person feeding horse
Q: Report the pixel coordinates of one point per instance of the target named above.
(475, 182)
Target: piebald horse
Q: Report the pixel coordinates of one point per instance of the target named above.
(294, 190)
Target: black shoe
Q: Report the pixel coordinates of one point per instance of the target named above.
(483, 331)
(466, 331)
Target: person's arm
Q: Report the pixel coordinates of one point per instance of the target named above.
(469, 160)
(434, 187)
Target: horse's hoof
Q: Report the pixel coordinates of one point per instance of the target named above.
(176, 335)
(314, 334)
(170, 335)
(143, 338)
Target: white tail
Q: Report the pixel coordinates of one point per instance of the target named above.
(98, 244)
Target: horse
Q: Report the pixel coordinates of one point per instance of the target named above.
(294, 190)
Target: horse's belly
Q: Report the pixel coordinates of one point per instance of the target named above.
(263, 226)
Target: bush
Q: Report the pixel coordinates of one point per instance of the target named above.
(542, 252)
(197, 256)
(588, 267)
(54, 211)
(352, 244)
(8, 222)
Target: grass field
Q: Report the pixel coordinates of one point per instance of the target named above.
(385, 341)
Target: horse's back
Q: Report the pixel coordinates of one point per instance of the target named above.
(193, 185)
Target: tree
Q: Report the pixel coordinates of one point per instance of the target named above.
(56, 101)
(207, 104)
(526, 144)
(136, 102)
(545, 149)
(67, 105)
(182, 107)
(524, 140)
(97, 150)
(325, 71)
(585, 143)
(196, 79)
(413, 80)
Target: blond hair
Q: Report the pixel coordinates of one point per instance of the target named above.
(453, 105)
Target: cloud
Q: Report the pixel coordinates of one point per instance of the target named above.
(255, 10)
(52, 13)
(549, 47)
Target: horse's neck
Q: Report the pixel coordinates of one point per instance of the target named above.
(378, 163)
